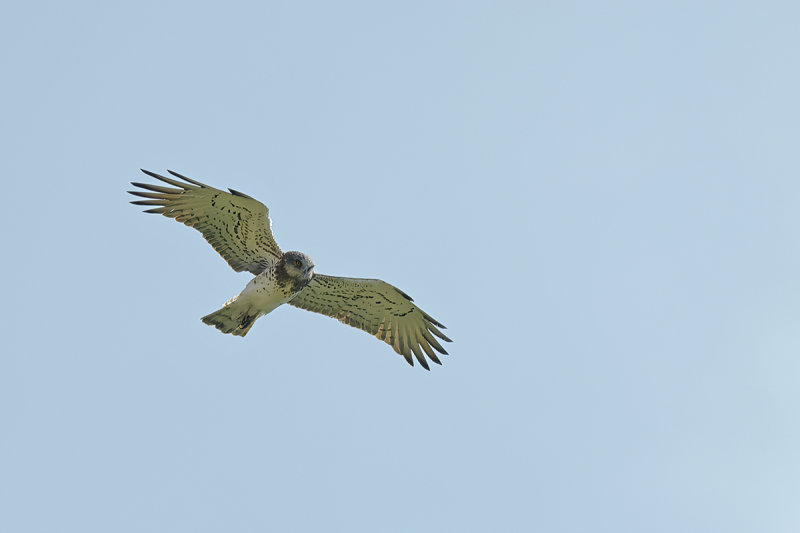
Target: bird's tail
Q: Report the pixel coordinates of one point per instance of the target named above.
(234, 318)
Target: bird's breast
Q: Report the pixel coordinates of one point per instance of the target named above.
(265, 292)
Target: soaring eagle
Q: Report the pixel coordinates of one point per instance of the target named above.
(240, 230)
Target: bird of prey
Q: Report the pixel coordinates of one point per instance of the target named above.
(239, 228)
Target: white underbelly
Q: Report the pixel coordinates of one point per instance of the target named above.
(263, 295)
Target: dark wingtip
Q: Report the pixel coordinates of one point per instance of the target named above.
(159, 188)
(434, 321)
(439, 334)
(439, 349)
(404, 295)
(146, 194)
(181, 176)
(237, 193)
(134, 202)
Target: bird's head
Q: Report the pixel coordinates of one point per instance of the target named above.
(298, 266)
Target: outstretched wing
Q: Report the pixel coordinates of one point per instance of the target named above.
(236, 225)
(378, 308)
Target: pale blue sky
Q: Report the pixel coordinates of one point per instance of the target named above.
(600, 200)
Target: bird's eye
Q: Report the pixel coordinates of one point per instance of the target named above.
(297, 263)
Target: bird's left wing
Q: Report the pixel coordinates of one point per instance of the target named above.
(377, 308)
(236, 225)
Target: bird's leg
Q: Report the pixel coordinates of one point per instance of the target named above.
(246, 321)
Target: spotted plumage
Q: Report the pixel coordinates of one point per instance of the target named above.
(239, 228)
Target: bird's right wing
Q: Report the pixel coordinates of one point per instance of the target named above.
(377, 308)
(236, 225)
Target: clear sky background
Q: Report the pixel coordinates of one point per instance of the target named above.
(599, 199)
